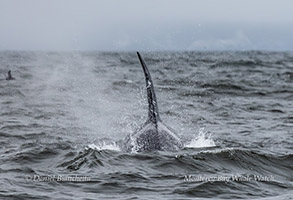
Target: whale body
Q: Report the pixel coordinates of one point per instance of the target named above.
(153, 135)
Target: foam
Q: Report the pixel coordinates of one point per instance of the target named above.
(202, 139)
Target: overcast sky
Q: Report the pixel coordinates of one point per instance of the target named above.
(118, 25)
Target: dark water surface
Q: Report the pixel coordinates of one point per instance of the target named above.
(61, 116)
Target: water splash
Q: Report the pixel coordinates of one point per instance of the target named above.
(135, 147)
(104, 146)
(203, 139)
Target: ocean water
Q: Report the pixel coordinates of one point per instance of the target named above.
(63, 115)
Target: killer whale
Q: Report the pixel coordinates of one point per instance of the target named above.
(153, 135)
(9, 76)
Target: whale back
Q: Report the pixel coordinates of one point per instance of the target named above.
(151, 137)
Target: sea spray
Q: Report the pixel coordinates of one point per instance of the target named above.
(202, 139)
(104, 146)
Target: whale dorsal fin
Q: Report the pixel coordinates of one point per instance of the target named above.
(153, 114)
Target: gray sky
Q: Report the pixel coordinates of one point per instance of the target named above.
(116, 25)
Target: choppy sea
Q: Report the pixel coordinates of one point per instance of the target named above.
(61, 118)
